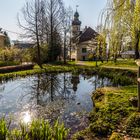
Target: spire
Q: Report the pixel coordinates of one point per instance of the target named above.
(76, 15)
(76, 20)
(77, 7)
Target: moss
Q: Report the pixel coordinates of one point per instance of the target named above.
(116, 136)
(133, 125)
(98, 95)
(113, 108)
(84, 135)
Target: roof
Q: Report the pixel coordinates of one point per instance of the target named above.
(76, 22)
(87, 35)
(128, 53)
(22, 44)
(76, 14)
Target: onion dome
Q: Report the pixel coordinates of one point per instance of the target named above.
(76, 15)
(76, 20)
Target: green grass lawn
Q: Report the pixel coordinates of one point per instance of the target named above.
(121, 63)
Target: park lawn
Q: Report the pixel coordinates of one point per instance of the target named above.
(93, 63)
(119, 63)
(113, 114)
(122, 63)
(128, 64)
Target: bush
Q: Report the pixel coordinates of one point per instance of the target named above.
(8, 63)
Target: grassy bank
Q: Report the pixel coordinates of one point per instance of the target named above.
(114, 115)
(49, 69)
(116, 75)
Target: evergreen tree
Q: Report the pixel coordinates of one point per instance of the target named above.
(7, 40)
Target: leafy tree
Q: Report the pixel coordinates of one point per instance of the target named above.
(136, 29)
(121, 20)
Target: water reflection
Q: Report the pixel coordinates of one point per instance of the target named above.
(26, 118)
(49, 88)
(50, 96)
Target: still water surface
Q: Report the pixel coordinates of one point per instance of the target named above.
(65, 96)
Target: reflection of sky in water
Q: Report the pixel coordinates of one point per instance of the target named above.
(50, 97)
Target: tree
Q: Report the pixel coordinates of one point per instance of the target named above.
(67, 31)
(54, 10)
(117, 18)
(43, 20)
(32, 15)
(136, 29)
(7, 40)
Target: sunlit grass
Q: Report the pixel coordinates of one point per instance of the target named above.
(36, 130)
(122, 63)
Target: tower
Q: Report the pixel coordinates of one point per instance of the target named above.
(76, 24)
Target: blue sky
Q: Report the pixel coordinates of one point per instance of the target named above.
(89, 11)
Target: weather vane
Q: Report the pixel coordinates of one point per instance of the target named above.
(77, 7)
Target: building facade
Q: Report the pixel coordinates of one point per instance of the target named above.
(2, 40)
(84, 42)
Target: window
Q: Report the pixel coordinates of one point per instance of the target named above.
(84, 50)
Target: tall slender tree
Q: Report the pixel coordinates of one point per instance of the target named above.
(43, 24)
(31, 14)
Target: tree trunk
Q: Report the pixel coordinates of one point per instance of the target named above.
(137, 47)
(65, 47)
(138, 90)
(37, 36)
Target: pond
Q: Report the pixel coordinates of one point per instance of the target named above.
(65, 96)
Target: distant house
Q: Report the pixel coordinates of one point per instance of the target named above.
(84, 42)
(128, 54)
(23, 44)
(2, 40)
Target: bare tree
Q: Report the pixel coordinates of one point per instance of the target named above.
(54, 17)
(44, 24)
(31, 16)
(67, 31)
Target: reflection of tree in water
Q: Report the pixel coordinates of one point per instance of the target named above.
(52, 92)
(52, 87)
(100, 82)
(75, 81)
(2, 88)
